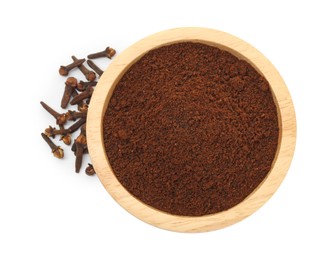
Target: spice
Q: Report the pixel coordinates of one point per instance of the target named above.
(70, 86)
(108, 53)
(56, 150)
(83, 95)
(191, 130)
(60, 118)
(76, 125)
(82, 86)
(64, 70)
(95, 67)
(74, 148)
(82, 107)
(90, 170)
(52, 131)
(74, 115)
(80, 143)
(90, 75)
(82, 100)
(66, 138)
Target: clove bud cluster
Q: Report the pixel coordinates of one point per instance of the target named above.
(76, 93)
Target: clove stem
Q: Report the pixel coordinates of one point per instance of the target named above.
(83, 95)
(95, 67)
(51, 111)
(76, 125)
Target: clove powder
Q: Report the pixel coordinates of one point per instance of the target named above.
(191, 129)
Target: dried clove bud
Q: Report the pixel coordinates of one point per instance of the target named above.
(80, 143)
(90, 75)
(64, 70)
(66, 138)
(90, 170)
(60, 118)
(52, 131)
(57, 151)
(71, 81)
(82, 86)
(74, 148)
(83, 95)
(70, 85)
(108, 52)
(74, 115)
(83, 107)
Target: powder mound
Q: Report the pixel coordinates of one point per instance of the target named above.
(191, 130)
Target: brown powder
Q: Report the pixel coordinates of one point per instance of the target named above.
(191, 130)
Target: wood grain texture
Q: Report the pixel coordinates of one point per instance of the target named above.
(258, 197)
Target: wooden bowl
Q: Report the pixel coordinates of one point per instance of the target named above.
(258, 197)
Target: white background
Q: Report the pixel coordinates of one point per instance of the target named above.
(50, 212)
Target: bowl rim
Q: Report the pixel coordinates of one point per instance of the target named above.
(239, 48)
